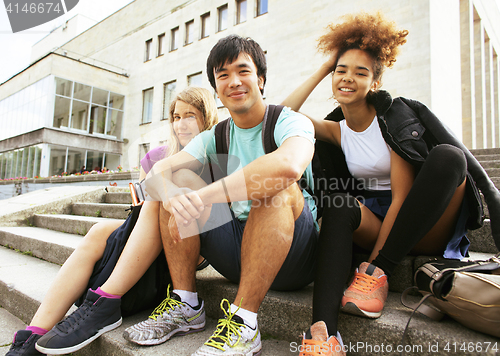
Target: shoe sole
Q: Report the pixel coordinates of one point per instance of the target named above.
(177, 332)
(71, 349)
(351, 308)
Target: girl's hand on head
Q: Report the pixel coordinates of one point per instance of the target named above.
(331, 61)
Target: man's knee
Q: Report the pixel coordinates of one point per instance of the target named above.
(184, 178)
(291, 197)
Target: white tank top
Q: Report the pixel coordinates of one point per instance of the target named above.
(367, 155)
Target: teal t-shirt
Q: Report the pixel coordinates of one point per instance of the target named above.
(246, 146)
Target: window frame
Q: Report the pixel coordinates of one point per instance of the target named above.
(187, 36)
(220, 10)
(174, 39)
(238, 19)
(161, 44)
(148, 50)
(144, 92)
(204, 25)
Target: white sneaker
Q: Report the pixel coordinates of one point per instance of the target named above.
(232, 337)
(171, 317)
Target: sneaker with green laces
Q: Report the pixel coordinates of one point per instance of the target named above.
(232, 337)
(171, 317)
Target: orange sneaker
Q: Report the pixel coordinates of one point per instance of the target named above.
(320, 344)
(367, 293)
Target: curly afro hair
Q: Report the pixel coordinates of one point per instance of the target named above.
(369, 32)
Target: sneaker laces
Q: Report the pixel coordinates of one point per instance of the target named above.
(67, 324)
(226, 328)
(364, 282)
(167, 305)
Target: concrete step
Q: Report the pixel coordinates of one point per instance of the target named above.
(20, 297)
(27, 238)
(493, 172)
(118, 198)
(72, 224)
(485, 151)
(52, 246)
(115, 211)
(283, 315)
(486, 158)
(493, 162)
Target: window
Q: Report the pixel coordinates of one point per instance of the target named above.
(161, 44)
(168, 94)
(149, 44)
(147, 106)
(189, 32)
(241, 11)
(194, 80)
(143, 149)
(261, 7)
(205, 20)
(174, 40)
(222, 25)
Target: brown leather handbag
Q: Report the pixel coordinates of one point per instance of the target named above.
(469, 292)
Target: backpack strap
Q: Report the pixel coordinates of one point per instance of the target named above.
(270, 119)
(222, 144)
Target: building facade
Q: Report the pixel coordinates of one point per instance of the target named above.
(101, 98)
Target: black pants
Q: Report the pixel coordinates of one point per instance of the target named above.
(440, 175)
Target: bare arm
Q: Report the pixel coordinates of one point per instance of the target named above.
(325, 130)
(402, 177)
(262, 178)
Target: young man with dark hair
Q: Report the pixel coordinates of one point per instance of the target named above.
(270, 239)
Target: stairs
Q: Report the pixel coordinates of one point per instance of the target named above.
(41, 242)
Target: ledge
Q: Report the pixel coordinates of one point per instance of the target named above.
(73, 179)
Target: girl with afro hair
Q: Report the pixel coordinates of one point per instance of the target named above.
(416, 193)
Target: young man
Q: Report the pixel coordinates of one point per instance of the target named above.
(271, 234)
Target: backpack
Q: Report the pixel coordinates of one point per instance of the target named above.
(149, 291)
(321, 189)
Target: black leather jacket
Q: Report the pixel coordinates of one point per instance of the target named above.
(412, 130)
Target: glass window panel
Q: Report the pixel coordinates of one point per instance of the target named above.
(114, 124)
(112, 161)
(161, 44)
(24, 163)
(37, 161)
(261, 7)
(76, 160)
(241, 11)
(82, 92)
(18, 163)
(148, 54)
(205, 25)
(222, 25)
(61, 112)
(195, 80)
(97, 119)
(79, 115)
(168, 94)
(1, 165)
(94, 161)
(189, 32)
(57, 160)
(63, 87)
(100, 97)
(116, 101)
(31, 162)
(174, 39)
(143, 149)
(147, 108)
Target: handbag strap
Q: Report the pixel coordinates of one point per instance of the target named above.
(433, 313)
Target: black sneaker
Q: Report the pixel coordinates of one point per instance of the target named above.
(93, 318)
(24, 344)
